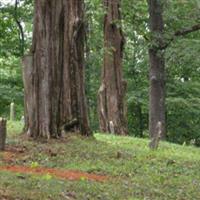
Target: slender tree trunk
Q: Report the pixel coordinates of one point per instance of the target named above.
(111, 94)
(157, 71)
(2, 133)
(140, 119)
(54, 73)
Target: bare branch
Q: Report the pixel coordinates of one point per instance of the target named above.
(21, 31)
(187, 30)
(181, 32)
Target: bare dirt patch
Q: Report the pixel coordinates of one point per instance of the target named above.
(59, 173)
(13, 153)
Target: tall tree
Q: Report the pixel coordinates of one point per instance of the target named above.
(157, 71)
(158, 45)
(111, 94)
(54, 71)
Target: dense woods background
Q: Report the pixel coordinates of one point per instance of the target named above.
(181, 60)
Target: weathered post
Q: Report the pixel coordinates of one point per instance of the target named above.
(2, 133)
(12, 111)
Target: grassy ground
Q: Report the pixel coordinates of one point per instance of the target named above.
(135, 172)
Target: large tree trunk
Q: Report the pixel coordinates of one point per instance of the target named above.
(54, 73)
(157, 72)
(111, 107)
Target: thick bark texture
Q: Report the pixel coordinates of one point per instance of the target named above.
(2, 134)
(157, 72)
(111, 107)
(54, 72)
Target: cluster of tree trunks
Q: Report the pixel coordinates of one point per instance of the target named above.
(111, 106)
(54, 70)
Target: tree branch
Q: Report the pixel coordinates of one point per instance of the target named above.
(21, 31)
(187, 30)
(181, 32)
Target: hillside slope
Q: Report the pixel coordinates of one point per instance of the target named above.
(134, 171)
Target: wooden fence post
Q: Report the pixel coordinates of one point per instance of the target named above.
(2, 133)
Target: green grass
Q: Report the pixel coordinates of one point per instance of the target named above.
(137, 173)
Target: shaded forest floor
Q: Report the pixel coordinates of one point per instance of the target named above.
(132, 171)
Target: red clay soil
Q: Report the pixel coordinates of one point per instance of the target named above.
(63, 174)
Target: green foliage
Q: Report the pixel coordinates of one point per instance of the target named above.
(183, 92)
(94, 55)
(11, 87)
(34, 165)
(183, 112)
